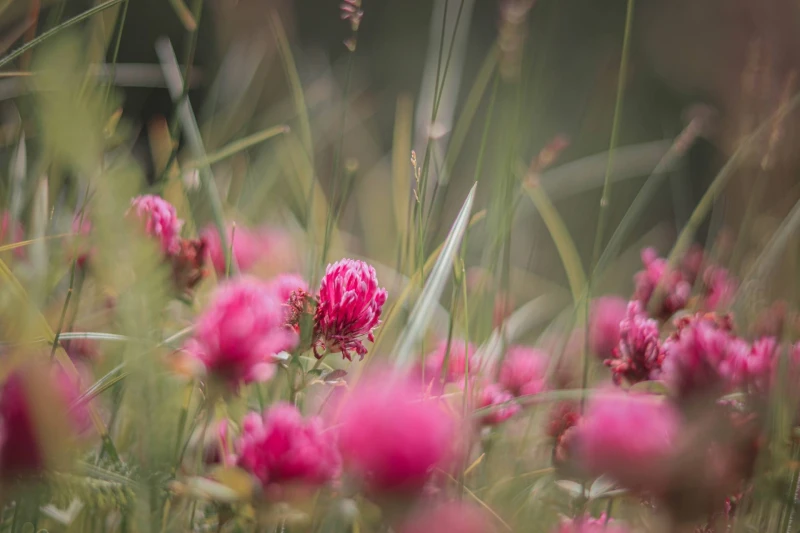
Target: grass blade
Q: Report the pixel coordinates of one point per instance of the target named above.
(49, 33)
(237, 146)
(779, 242)
(434, 286)
(290, 68)
(414, 281)
(114, 376)
(646, 193)
(561, 237)
(174, 80)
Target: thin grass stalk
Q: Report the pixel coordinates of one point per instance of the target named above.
(115, 53)
(642, 200)
(175, 84)
(337, 161)
(50, 33)
(605, 198)
(423, 184)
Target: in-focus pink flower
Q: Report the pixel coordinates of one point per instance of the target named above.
(160, 221)
(638, 356)
(349, 307)
(587, 524)
(628, 438)
(281, 448)
(12, 233)
(606, 314)
(703, 356)
(448, 517)
(242, 328)
(657, 274)
(41, 418)
(450, 366)
(524, 370)
(501, 401)
(392, 438)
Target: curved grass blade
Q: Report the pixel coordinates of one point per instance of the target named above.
(290, 68)
(235, 147)
(114, 376)
(561, 237)
(434, 286)
(771, 254)
(682, 142)
(49, 33)
(715, 189)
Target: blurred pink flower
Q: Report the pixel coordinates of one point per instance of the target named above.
(241, 328)
(448, 517)
(676, 289)
(288, 288)
(40, 415)
(12, 233)
(81, 228)
(452, 366)
(587, 524)
(638, 356)
(250, 247)
(282, 448)
(349, 307)
(392, 438)
(629, 438)
(702, 356)
(524, 370)
(604, 322)
(160, 221)
(719, 288)
(752, 366)
(218, 445)
(493, 395)
(692, 263)
(286, 284)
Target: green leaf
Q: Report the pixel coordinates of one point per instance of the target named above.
(574, 489)
(653, 387)
(49, 33)
(601, 486)
(421, 314)
(106, 382)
